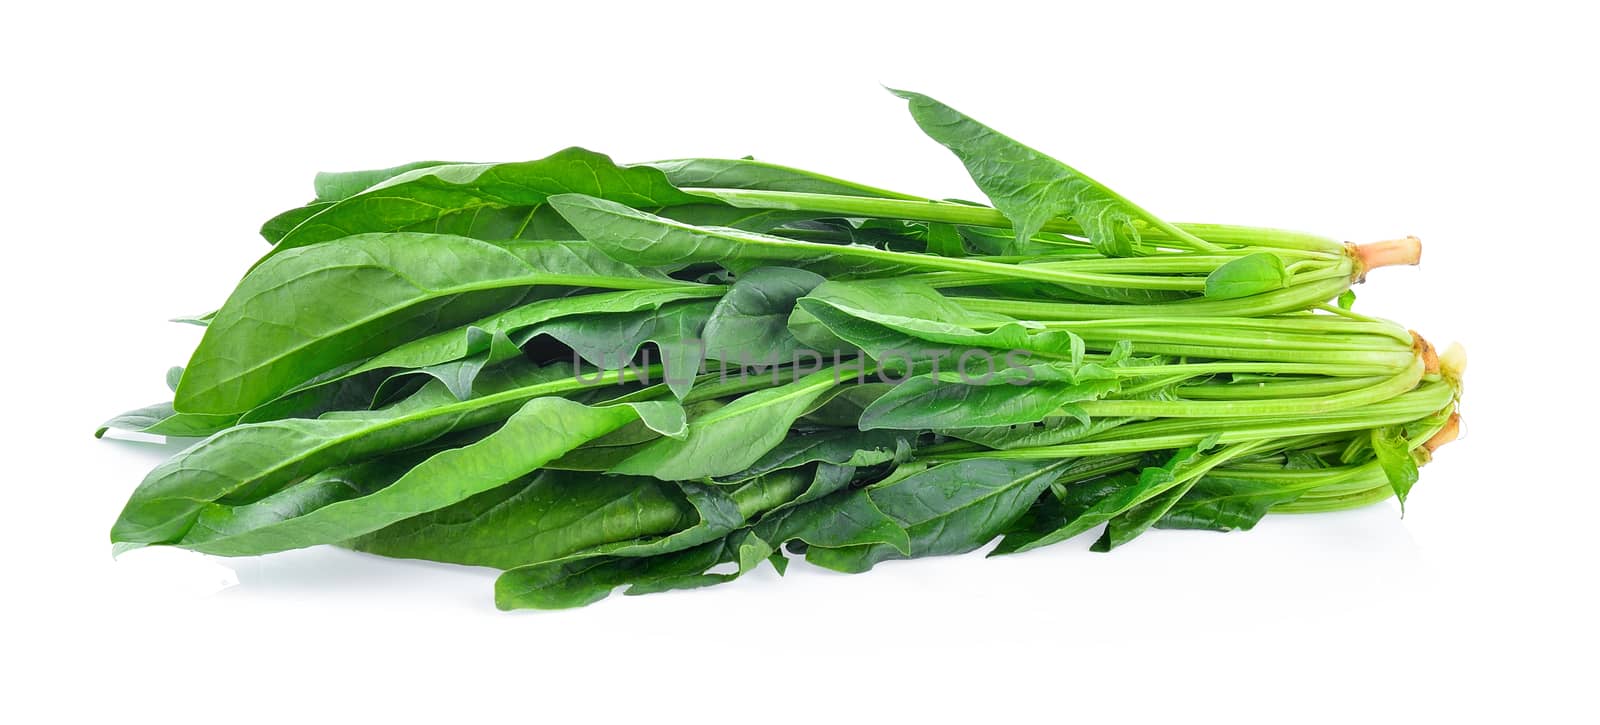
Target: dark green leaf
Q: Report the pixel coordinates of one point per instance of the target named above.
(751, 322)
(843, 446)
(611, 340)
(1090, 504)
(950, 508)
(1219, 502)
(551, 515)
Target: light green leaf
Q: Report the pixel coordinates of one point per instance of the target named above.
(1248, 275)
(1394, 455)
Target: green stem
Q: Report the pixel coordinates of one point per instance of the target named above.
(1190, 236)
(1344, 370)
(1258, 408)
(1274, 389)
(1291, 324)
(1295, 297)
(1180, 432)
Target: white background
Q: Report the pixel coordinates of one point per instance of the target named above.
(144, 143)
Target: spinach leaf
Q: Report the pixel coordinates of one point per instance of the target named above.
(1219, 502)
(448, 197)
(548, 516)
(252, 460)
(457, 356)
(733, 437)
(752, 174)
(163, 419)
(582, 582)
(611, 340)
(947, 400)
(1247, 275)
(1031, 188)
(842, 518)
(895, 323)
(334, 186)
(540, 431)
(1088, 505)
(841, 446)
(751, 322)
(1394, 455)
(379, 290)
(950, 508)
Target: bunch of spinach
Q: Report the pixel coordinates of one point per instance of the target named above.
(658, 376)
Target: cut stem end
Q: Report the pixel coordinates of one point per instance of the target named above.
(1450, 431)
(1454, 363)
(1426, 351)
(1387, 253)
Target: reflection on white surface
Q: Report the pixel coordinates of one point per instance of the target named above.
(165, 572)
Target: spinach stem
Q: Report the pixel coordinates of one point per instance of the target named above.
(1203, 237)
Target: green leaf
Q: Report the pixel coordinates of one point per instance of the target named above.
(678, 560)
(751, 322)
(719, 513)
(1393, 451)
(339, 185)
(839, 446)
(458, 355)
(946, 400)
(950, 508)
(1219, 502)
(581, 582)
(442, 198)
(541, 430)
(892, 320)
(750, 174)
(733, 437)
(611, 340)
(196, 320)
(1087, 505)
(250, 461)
(162, 419)
(278, 227)
(1128, 525)
(842, 406)
(1247, 275)
(636, 237)
(374, 292)
(1031, 188)
(843, 520)
(1050, 431)
(548, 516)
(648, 240)
(945, 240)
